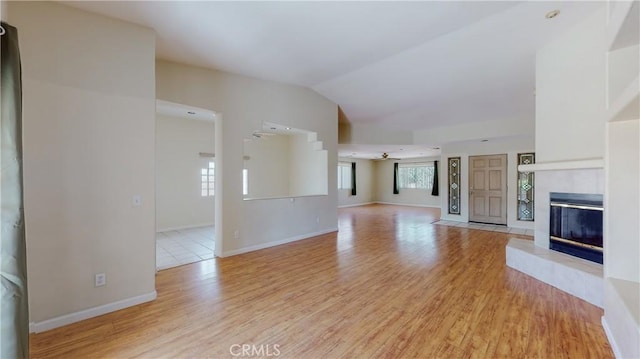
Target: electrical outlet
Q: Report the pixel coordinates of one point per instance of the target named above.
(101, 279)
(236, 234)
(136, 200)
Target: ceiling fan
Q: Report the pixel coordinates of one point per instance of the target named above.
(385, 156)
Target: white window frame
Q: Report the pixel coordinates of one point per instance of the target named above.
(344, 175)
(207, 180)
(404, 174)
(245, 182)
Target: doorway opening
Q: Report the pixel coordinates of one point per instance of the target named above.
(185, 184)
(488, 189)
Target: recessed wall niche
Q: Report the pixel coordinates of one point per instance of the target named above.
(282, 161)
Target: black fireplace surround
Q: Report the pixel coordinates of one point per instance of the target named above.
(575, 225)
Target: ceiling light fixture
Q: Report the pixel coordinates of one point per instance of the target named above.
(287, 128)
(551, 14)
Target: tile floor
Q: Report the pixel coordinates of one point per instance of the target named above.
(184, 246)
(488, 227)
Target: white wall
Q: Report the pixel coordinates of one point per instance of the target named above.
(372, 135)
(307, 166)
(285, 166)
(622, 64)
(570, 87)
(511, 147)
(268, 166)
(365, 184)
(408, 196)
(622, 202)
(246, 103)
(179, 203)
(4, 11)
(496, 129)
(89, 117)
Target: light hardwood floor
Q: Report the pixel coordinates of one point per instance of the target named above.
(389, 284)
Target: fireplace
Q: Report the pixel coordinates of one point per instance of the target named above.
(575, 225)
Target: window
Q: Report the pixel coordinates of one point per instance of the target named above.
(526, 188)
(454, 185)
(245, 182)
(415, 175)
(344, 175)
(208, 180)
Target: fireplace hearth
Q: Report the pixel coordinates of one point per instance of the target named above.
(575, 225)
(574, 275)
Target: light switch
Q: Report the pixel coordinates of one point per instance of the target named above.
(137, 200)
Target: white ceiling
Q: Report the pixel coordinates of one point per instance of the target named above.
(410, 65)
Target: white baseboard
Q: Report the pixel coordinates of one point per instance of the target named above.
(518, 227)
(522, 224)
(410, 205)
(356, 205)
(160, 230)
(621, 320)
(38, 327)
(612, 341)
(275, 243)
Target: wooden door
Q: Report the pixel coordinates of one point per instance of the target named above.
(488, 189)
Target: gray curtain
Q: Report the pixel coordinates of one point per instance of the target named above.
(435, 189)
(15, 315)
(353, 179)
(396, 190)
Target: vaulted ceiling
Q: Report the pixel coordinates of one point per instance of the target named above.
(406, 65)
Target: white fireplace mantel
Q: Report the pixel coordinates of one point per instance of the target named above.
(563, 165)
